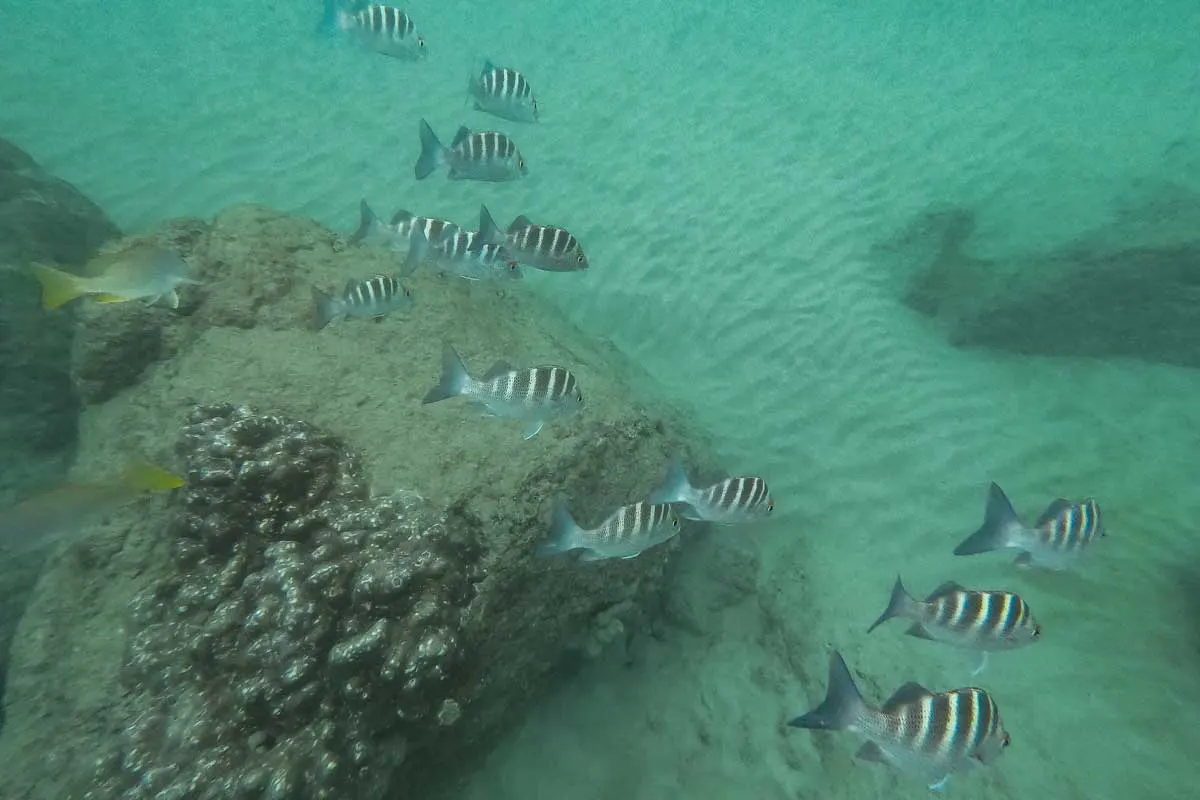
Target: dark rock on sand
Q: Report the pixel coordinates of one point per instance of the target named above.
(1131, 289)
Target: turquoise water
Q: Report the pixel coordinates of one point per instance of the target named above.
(730, 171)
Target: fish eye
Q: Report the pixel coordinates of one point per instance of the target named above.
(1037, 631)
(512, 266)
(674, 522)
(1007, 740)
(770, 506)
(580, 258)
(421, 41)
(521, 163)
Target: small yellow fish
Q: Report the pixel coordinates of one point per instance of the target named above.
(139, 271)
(63, 510)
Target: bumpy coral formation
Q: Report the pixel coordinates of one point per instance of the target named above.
(311, 636)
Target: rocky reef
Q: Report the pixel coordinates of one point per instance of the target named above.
(42, 219)
(1128, 290)
(344, 599)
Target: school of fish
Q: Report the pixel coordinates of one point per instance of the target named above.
(929, 734)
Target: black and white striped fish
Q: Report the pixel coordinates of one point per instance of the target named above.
(398, 234)
(535, 394)
(375, 297)
(625, 534)
(473, 155)
(916, 731)
(1058, 539)
(474, 255)
(977, 620)
(504, 92)
(540, 246)
(729, 501)
(384, 29)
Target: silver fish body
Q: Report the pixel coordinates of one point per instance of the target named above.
(504, 92)
(979, 620)
(536, 394)
(375, 297)
(488, 156)
(385, 29)
(1058, 540)
(399, 233)
(728, 502)
(626, 533)
(931, 735)
(467, 254)
(540, 246)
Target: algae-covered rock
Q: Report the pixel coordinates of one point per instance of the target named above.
(345, 599)
(1131, 289)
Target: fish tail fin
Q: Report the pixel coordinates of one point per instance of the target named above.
(999, 521)
(898, 606)
(325, 308)
(418, 250)
(564, 531)
(368, 223)
(142, 476)
(488, 230)
(432, 152)
(454, 378)
(675, 488)
(843, 704)
(333, 18)
(58, 287)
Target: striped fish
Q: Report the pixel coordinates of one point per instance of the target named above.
(1058, 539)
(540, 246)
(504, 92)
(730, 501)
(534, 394)
(626, 533)
(477, 156)
(398, 234)
(978, 620)
(375, 297)
(916, 731)
(384, 29)
(475, 255)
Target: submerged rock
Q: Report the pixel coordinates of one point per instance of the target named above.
(284, 627)
(42, 219)
(1130, 290)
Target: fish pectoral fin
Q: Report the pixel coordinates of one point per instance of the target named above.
(918, 631)
(631, 555)
(939, 785)
(872, 753)
(1024, 560)
(531, 430)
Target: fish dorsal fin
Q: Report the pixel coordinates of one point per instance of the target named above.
(463, 133)
(948, 587)
(501, 367)
(488, 66)
(871, 752)
(400, 217)
(907, 694)
(519, 224)
(1056, 508)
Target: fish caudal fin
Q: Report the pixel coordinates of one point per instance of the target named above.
(898, 606)
(142, 476)
(454, 378)
(418, 250)
(58, 287)
(333, 18)
(999, 521)
(325, 308)
(367, 223)
(675, 488)
(564, 531)
(843, 704)
(432, 153)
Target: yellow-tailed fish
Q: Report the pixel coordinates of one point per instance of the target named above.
(143, 271)
(45, 517)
